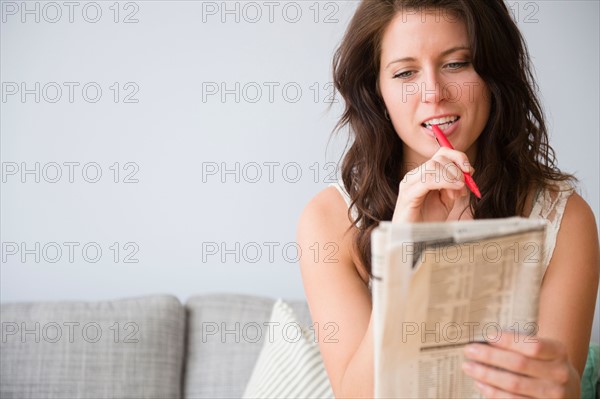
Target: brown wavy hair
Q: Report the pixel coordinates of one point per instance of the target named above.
(513, 154)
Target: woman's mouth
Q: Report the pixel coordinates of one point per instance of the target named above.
(443, 123)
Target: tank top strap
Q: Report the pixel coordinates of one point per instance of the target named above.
(339, 185)
(550, 205)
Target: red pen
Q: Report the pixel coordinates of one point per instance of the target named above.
(443, 142)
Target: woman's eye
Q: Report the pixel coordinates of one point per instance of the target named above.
(403, 75)
(457, 65)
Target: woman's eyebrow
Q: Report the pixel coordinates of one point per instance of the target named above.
(444, 53)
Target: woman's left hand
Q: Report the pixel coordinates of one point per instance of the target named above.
(518, 366)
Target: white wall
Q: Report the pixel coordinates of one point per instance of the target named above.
(168, 132)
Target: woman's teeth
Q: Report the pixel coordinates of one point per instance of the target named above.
(443, 123)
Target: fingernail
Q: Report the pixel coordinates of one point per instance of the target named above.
(467, 366)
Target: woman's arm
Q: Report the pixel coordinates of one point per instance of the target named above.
(337, 294)
(553, 366)
(570, 286)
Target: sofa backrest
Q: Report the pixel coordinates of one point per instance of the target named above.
(225, 334)
(146, 347)
(130, 348)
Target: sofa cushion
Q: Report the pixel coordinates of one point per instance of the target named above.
(227, 332)
(129, 348)
(289, 364)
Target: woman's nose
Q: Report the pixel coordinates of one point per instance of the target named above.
(432, 88)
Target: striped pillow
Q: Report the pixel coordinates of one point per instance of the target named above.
(289, 364)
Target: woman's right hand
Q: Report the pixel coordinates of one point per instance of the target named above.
(428, 193)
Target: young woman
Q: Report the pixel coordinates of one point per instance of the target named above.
(463, 65)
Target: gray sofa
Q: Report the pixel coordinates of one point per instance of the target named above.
(148, 347)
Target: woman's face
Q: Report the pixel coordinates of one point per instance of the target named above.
(426, 73)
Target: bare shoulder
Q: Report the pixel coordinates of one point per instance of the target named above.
(325, 227)
(578, 226)
(337, 293)
(578, 219)
(326, 204)
(577, 239)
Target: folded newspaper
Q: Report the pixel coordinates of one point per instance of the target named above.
(437, 287)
